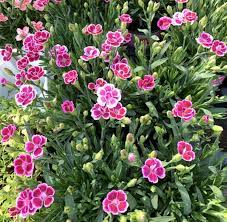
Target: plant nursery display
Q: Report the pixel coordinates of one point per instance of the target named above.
(114, 110)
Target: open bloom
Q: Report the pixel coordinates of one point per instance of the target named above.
(35, 73)
(185, 150)
(205, 39)
(118, 112)
(184, 110)
(98, 112)
(30, 44)
(121, 70)
(35, 146)
(3, 81)
(63, 60)
(115, 202)
(37, 25)
(189, 16)
(21, 4)
(164, 23)
(114, 38)
(23, 165)
(67, 106)
(93, 29)
(42, 36)
(108, 95)
(20, 78)
(40, 5)
(7, 52)
(13, 211)
(26, 95)
(43, 195)
(219, 47)
(22, 63)
(177, 19)
(7, 132)
(147, 83)
(90, 52)
(153, 170)
(22, 33)
(24, 204)
(125, 18)
(98, 83)
(32, 56)
(3, 18)
(181, 1)
(70, 77)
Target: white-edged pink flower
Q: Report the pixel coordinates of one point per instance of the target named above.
(118, 112)
(3, 18)
(147, 83)
(25, 96)
(219, 48)
(67, 106)
(30, 44)
(41, 36)
(189, 16)
(7, 132)
(93, 29)
(22, 63)
(125, 18)
(90, 52)
(185, 149)
(98, 83)
(63, 60)
(177, 19)
(108, 96)
(32, 56)
(115, 39)
(20, 78)
(164, 23)
(7, 52)
(205, 39)
(35, 73)
(37, 25)
(22, 33)
(70, 77)
(23, 165)
(121, 70)
(98, 112)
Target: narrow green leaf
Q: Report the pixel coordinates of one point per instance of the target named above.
(154, 201)
(217, 192)
(158, 63)
(162, 219)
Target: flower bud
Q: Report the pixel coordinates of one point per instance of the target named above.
(142, 139)
(68, 220)
(156, 6)
(71, 27)
(178, 55)
(110, 74)
(125, 8)
(216, 68)
(141, 3)
(88, 168)
(159, 130)
(131, 157)
(130, 138)
(132, 183)
(153, 189)
(85, 113)
(99, 155)
(126, 121)
(49, 121)
(203, 22)
(169, 10)
(129, 106)
(123, 218)
(85, 5)
(176, 158)
(188, 97)
(150, 6)
(153, 154)
(217, 129)
(180, 167)
(139, 216)
(124, 154)
(79, 147)
(106, 219)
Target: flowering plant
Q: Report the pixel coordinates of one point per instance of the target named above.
(118, 136)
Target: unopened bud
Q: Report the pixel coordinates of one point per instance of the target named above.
(110, 74)
(124, 154)
(123, 218)
(132, 182)
(156, 6)
(180, 167)
(176, 158)
(141, 3)
(188, 97)
(150, 6)
(126, 121)
(131, 157)
(153, 154)
(71, 27)
(130, 138)
(85, 113)
(203, 21)
(217, 129)
(88, 168)
(169, 10)
(99, 155)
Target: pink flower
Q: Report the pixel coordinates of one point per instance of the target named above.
(22, 33)
(13, 211)
(7, 53)
(41, 36)
(32, 56)
(115, 202)
(106, 47)
(22, 63)
(98, 83)
(178, 19)
(205, 39)
(164, 23)
(20, 78)
(24, 203)
(114, 38)
(26, 95)
(35, 73)
(125, 18)
(93, 29)
(70, 77)
(3, 18)
(118, 112)
(147, 83)
(206, 118)
(108, 96)
(63, 60)
(36, 146)
(43, 195)
(67, 106)
(184, 110)
(128, 38)
(23, 165)
(98, 112)
(185, 150)
(121, 70)
(90, 52)
(189, 16)
(131, 157)
(3, 81)
(30, 44)
(219, 47)
(181, 1)
(58, 49)
(7, 132)
(37, 25)
(40, 5)
(153, 170)
(21, 4)
(218, 81)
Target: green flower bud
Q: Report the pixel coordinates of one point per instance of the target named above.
(156, 6)
(118, 7)
(153, 154)
(129, 106)
(180, 167)
(52, 29)
(75, 133)
(79, 147)
(217, 129)
(110, 74)
(85, 113)
(178, 55)
(88, 168)
(141, 3)
(49, 121)
(188, 97)
(123, 218)
(86, 5)
(71, 27)
(159, 130)
(169, 10)
(138, 216)
(153, 189)
(67, 209)
(203, 22)
(124, 154)
(132, 182)
(216, 68)
(130, 138)
(99, 155)
(125, 8)
(150, 6)
(176, 158)
(142, 139)
(68, 220)
(126, 121)
(106, 219)
(85, 147)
